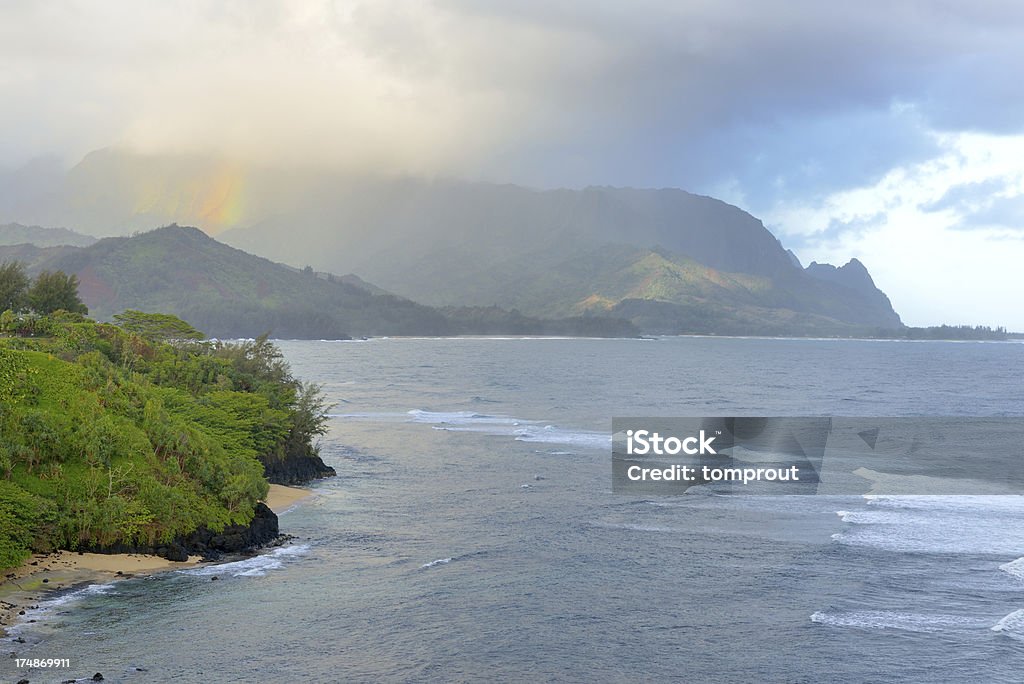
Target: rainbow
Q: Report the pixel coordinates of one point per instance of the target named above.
(213, 200)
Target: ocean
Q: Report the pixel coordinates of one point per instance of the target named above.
(471, 533)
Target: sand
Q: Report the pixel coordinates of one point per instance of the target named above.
(281, 498)
(43, 574)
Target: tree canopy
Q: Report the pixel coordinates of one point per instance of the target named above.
(53, 291)
(157, 326)
(13, 285)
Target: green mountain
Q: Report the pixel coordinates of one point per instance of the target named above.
(226, 292)
(705, 265)
(17, 234)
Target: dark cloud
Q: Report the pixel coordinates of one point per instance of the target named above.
(784, 98)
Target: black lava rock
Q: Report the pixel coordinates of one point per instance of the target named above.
(296, 469)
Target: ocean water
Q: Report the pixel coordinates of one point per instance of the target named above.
(471, 534)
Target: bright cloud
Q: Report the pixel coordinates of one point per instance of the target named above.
(917, 230)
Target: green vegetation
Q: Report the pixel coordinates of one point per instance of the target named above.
(14, 284)
(50, 291)
(55, 291)
(948, 332)
(229, 294)
(155, 326)
(224, 291)
(116, 436)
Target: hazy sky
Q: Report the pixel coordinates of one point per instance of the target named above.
(891, 131)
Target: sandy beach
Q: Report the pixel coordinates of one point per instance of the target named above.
(280, 498)
(42, 574)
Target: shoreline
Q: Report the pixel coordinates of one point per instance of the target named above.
(43, 575)
(282, 497)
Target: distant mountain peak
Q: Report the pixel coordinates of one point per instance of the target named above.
(18, 234)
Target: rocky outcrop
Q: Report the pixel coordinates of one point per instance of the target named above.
(295, 470)
(262, 530)
(232, 539)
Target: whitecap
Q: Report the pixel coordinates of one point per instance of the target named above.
(551, 434)
(439, 561)
(257, 566)
(1011, 625)
(1014, 568)
(937, 524)
(885, 619)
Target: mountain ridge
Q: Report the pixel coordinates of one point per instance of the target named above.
(227, 292)
(452, 243)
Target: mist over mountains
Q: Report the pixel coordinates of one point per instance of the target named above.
(17, 234)
(668, 260)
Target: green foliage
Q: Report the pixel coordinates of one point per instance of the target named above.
(13, 285)
(157, 326)
(55, 291)
(109, 437)
(23, 517)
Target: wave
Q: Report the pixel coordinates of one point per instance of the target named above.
(44, 609)
(987, 525)
(933, 539)
(908, 622)
(458, 418)
(869, 517)
(1011, 625)
(636, 527)
(439, 561)
(551, 434)
(519, 429)
(1014, 568)
(257, 566)
(983, 503)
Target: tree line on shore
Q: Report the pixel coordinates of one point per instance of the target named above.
(138, 433)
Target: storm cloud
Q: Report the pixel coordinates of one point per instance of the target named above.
(784, 108)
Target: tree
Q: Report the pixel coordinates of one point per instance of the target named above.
(156, 326)
(53, 291)
(13, 285)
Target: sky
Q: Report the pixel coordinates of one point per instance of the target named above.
(888, 131)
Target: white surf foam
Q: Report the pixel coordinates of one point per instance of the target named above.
(869, 517)
(885, 619)
(1014, 568)
(637, 527)
(257, 566)
(938, 524)
(519, 429)
(961, 503)
(1011, 625)
(439, 561)
(504, 426)
(551, 434)
(49, 607)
